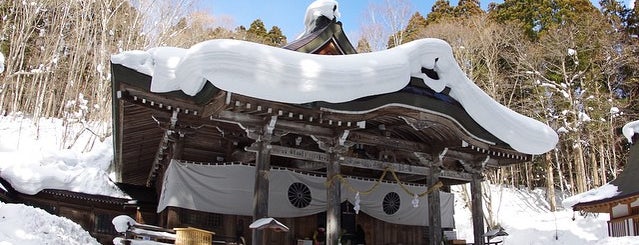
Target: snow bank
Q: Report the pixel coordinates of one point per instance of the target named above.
(25, 225)
(526, 217)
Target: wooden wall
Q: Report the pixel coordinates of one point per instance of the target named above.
(382, 233)
(377, 232)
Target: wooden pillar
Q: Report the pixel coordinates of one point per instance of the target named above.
(262, 171)
(477, 208)
(178, 146)
(434, 209)
(434, 204)
(334, 147)
(333, 200)
(260, 190)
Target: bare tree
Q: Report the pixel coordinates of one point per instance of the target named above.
(160, 16)
(384, 23)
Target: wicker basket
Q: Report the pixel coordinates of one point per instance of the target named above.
(193, 236)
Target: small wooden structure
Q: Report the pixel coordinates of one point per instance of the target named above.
(428, 139)
(623, 207)
(92, 212)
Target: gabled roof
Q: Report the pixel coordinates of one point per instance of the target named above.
(626, 183)
(328, 37)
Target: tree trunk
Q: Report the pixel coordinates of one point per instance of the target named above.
(602, 159)
(571, 179)
(550, 183)
(528, 176)
(580, 169)
(594, 168)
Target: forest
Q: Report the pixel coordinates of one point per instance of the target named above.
(566, 63)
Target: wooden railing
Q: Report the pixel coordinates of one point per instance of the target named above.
(624, 226)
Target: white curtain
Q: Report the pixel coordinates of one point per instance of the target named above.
(228, 189)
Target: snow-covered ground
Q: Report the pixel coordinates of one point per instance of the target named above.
(25, 225)
(526, 217)
(33, 157)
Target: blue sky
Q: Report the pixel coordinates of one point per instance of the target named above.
(289, 14)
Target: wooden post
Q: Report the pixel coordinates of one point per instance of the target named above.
(477, 208)
(262, 171)
(434, 209)
(178, 146)
(260, 191)
(334, 148)
(333, 200)
(434, 203)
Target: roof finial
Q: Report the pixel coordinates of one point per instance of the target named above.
(318, 8)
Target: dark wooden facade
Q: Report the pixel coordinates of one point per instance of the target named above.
(437, 142)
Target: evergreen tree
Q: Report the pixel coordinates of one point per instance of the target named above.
(467, 8)
(633, 21)
(415, 27)
(441, 10)
(620, 16)
(256, 31)
(537, 16)
(275, 37)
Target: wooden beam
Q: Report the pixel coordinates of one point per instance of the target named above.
(369, 139)
(245, 120)
(471, 157)
(315, 156)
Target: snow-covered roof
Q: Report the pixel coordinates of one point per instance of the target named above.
(281, 75)
(625, 185)
(630, 129)
(602, 192)
(33, 160)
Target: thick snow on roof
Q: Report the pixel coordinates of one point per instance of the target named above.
(600, 193)
(32, 159)
(630, 129)
(277, 74)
